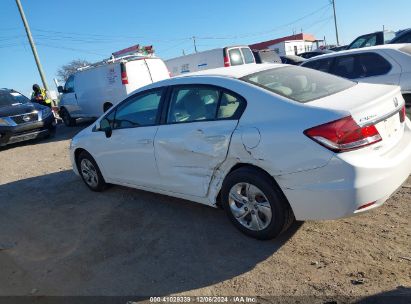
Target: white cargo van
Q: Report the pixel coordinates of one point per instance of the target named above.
(94, 89)
(211, 59)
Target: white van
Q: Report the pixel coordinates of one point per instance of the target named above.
(92, 90)
(211, 59)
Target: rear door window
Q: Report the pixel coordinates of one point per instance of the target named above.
(193, 103)
(235, 57)
(345, 67)
(248, 55)
(189, 103)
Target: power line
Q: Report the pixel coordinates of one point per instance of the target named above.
(268, 31)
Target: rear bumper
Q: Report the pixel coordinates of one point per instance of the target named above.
(338, 189)
(23, 132)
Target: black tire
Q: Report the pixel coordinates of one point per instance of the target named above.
(107, 106)
(67, 119)
(52, 131)
(100, 183)
(282, 215)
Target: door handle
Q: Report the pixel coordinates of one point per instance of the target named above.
(199, 131)
(144, 141)
(75, 95)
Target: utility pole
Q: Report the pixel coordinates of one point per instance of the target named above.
(33, 46)
(335, 22)
(195, 46)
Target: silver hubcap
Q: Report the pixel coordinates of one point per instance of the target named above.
(89, 173)
(250, 206)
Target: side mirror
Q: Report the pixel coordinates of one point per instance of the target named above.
(106, 127)
(60, 89)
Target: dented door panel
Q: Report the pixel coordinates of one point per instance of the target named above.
(188, 153)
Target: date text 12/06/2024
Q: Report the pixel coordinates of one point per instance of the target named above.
(201, 299)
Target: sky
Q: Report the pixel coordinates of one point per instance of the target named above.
(93, 29)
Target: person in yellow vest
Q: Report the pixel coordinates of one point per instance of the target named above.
(39, 95)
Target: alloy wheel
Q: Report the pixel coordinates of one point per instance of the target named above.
(89, 173)
(250, 206)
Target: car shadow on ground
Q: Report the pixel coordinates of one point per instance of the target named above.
(63, 239)
(62, 133)
(400, 295)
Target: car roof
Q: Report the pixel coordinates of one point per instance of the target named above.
(235, 71)
(361, 50)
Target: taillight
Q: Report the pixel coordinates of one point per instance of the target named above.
(124, 78)
(402, 114)
(226, 61)
(344, 135)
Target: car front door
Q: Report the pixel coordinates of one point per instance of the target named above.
(69, 98)
(196, 136)
(127, 156)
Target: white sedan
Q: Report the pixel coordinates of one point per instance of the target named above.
(269, 143)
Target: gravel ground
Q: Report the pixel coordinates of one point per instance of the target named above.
(59, 238)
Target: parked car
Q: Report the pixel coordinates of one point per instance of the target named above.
(21, 119)
(292, 59)
(315, 53)
(372, 39)
(403, 36)
(268, 142)
(215, 58)
(266, 56)
(339, 48)
(386, 64)
(94, 89)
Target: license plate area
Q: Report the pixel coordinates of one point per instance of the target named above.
(390, 127)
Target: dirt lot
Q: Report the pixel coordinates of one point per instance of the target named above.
(59, 238)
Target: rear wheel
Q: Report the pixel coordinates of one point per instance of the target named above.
(90, 172)
(255, 204)
(67, 119)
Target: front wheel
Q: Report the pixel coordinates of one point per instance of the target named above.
(67, 119)
(90, 172)
(255, 204)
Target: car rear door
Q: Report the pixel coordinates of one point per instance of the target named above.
(195, 136)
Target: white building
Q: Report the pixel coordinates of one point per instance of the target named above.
(290, 45)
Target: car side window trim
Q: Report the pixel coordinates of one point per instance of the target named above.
(167, 102)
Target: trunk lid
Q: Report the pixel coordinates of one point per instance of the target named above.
(370, 104)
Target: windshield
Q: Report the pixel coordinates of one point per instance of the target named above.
(298, 83)
(10, 98)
